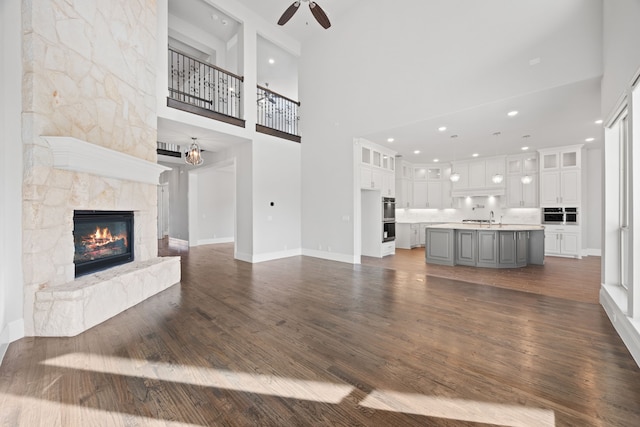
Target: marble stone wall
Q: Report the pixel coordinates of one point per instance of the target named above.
(88, 73)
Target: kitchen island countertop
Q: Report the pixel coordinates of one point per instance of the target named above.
(484, 226)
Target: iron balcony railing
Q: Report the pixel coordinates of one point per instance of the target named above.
(204, 85)
(277, 112)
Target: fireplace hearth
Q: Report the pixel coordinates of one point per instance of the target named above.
(102, 239)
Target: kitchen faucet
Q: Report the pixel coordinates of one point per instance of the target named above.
(491, 218)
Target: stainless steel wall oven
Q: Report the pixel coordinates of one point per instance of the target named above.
(388, 219)
(560, 215)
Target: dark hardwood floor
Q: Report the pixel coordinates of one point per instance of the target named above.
(303, 341)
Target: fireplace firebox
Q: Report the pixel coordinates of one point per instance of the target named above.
(102, 239)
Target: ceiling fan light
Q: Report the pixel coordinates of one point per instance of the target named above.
(194, 155)
(455, 177)
(497, 178)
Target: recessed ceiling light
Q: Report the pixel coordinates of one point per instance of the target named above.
(512, 113)
(390, 139)
(416, 152)
(272, 61)
(598, 122)
(442, 128)
(589, 139)
(436, 160)
(475, 155)
(524, 148)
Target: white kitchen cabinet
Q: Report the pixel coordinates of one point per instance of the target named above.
(404, 193)
(388, 184)
(520, 195)
(560, 188)
(561, 176)
(389, 162)
(407, 235)
(420, 189)
(370, 178)
(476, 177)
(562, 240)
(422, 233)
(569, 157)
(377, 168)
(462, 169)
(495, 166)
(522, 164)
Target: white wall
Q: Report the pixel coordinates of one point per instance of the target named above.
(178, 179)
(364, 76)
(276, 198)
(621, 49)
(11, 315)
(216, 205)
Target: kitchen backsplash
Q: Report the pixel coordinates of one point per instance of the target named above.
(472, 208)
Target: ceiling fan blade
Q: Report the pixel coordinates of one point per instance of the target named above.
(319, 14)
(291, 10)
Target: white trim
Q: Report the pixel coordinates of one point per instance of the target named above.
(277, 255)
(178, 242)
(215, 241)
(76, 155)
(332, 256)
(592, 252)
(612, 298)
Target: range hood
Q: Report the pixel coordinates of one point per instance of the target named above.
(480, 192)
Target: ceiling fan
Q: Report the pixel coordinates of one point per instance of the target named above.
(316, 10)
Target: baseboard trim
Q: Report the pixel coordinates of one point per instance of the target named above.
(178, 242)
(267, 256)
(627, 328)
(215, 241)
(592, 252)
(332, 256)
(277, 255)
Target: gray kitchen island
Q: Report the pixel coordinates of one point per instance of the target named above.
(484, 245)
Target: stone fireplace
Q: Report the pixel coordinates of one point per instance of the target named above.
(88, 77)
(58, 302)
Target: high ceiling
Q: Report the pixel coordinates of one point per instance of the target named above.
(562, 115)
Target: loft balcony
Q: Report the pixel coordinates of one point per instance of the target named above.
(204, 89)
(277, 115)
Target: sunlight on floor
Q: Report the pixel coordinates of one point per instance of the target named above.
(38, 412)
(460, 410)
(316, 391)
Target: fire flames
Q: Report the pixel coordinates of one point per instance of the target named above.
(103, 236)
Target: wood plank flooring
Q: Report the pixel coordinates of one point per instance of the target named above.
(570, 278)
(311, 342)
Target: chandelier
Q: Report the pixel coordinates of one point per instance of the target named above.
(194, 155)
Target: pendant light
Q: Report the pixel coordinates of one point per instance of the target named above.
(455, 176)
(194, 155)
(497, 178)
(526, 179)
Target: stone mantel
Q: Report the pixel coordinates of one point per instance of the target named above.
(80, 156)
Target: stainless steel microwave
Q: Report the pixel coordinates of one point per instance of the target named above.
(560, 215)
